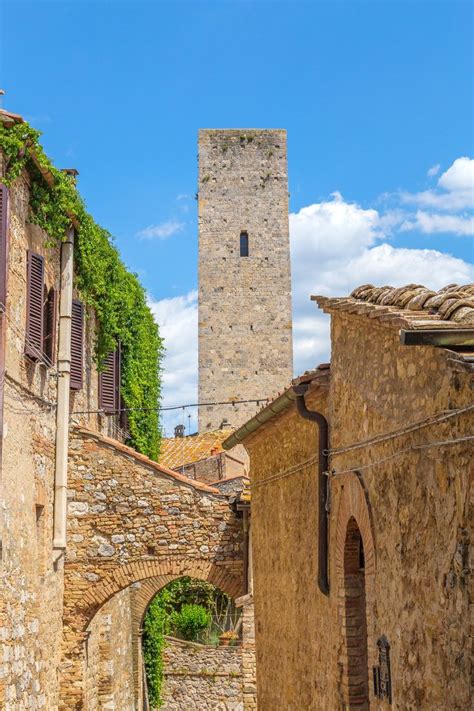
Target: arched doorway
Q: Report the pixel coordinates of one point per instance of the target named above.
(355, 622)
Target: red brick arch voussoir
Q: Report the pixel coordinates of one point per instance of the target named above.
(353, 503)
(162, 572)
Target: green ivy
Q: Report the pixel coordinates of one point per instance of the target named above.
(155, 626)
(115, 294)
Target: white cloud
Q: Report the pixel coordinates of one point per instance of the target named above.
(178, 321)
(430, 223)
(434, 170)
(455, 189)
(161, 231)
(336, 246)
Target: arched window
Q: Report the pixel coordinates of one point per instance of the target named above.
(244, 244)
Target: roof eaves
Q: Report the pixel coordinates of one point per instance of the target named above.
(277, 406)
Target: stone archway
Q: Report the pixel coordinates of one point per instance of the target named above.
(355, 567)
(130, 520)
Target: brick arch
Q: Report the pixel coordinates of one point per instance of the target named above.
(354, 519)
(155, 574)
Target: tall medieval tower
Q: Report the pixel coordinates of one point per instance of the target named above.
(245, 338)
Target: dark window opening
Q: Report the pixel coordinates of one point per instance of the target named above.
(361, 555)
(49, 326)
(244, 244)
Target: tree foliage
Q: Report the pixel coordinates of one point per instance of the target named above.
(116, 295)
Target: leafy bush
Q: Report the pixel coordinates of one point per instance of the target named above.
(191, 621)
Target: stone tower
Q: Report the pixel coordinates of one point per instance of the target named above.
(245, 338)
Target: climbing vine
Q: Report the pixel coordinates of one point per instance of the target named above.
(115, 294)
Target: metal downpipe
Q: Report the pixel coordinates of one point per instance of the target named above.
(62, 410)
(323, 446)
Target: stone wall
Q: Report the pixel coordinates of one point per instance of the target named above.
(412, 514)
(201, 677)
(109, 665)
(245, 343)
(131, 520)
(31, 603)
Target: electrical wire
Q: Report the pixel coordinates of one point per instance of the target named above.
(431, 420)
(303, 465)
(168, 409)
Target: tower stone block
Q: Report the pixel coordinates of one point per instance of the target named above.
(245, 331)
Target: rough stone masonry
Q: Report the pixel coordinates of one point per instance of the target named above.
(245, 337)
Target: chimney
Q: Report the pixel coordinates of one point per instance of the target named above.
(179, 431)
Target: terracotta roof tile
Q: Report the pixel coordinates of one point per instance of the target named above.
(414, 304)
(179, 451)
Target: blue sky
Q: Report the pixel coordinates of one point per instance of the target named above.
(374, 95)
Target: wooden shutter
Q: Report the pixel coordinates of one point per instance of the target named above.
(3, 244)
(34, 306)
(77, 345)
(109, 382)
(49, 340)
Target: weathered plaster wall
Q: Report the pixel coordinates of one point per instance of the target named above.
(245, 344)
(413, 517)
(202, 678)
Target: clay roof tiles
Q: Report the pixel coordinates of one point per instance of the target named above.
(414, 304)
(179, 451)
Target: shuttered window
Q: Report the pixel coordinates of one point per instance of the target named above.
(49, 340)
(77, 345)
(34, 306)
(3, 244)
(109, 382)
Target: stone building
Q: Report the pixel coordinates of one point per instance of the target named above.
(361, 513)
(201, 457)
(245, 333)
(91, 529)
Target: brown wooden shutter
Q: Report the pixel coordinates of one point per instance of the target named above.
(49, 340)
(34, 306)
(3, 244)
(109, 382)
(77, 345)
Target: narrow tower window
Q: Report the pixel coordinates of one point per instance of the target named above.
(244, 244)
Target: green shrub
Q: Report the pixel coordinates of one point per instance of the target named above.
(191, 621)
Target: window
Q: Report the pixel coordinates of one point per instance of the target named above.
(3, 243)
(244, 244)
(34, 306)
(77, 345)
(109, 383)
(49, 325)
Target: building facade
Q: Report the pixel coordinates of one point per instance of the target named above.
(245, 333)
(91, 529)
(360, 531)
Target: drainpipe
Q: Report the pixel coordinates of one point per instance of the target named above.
(323, 446)
(62, 410)
(245, 551)
(3, 313)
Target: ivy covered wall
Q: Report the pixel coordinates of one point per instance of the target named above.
(118, 298)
